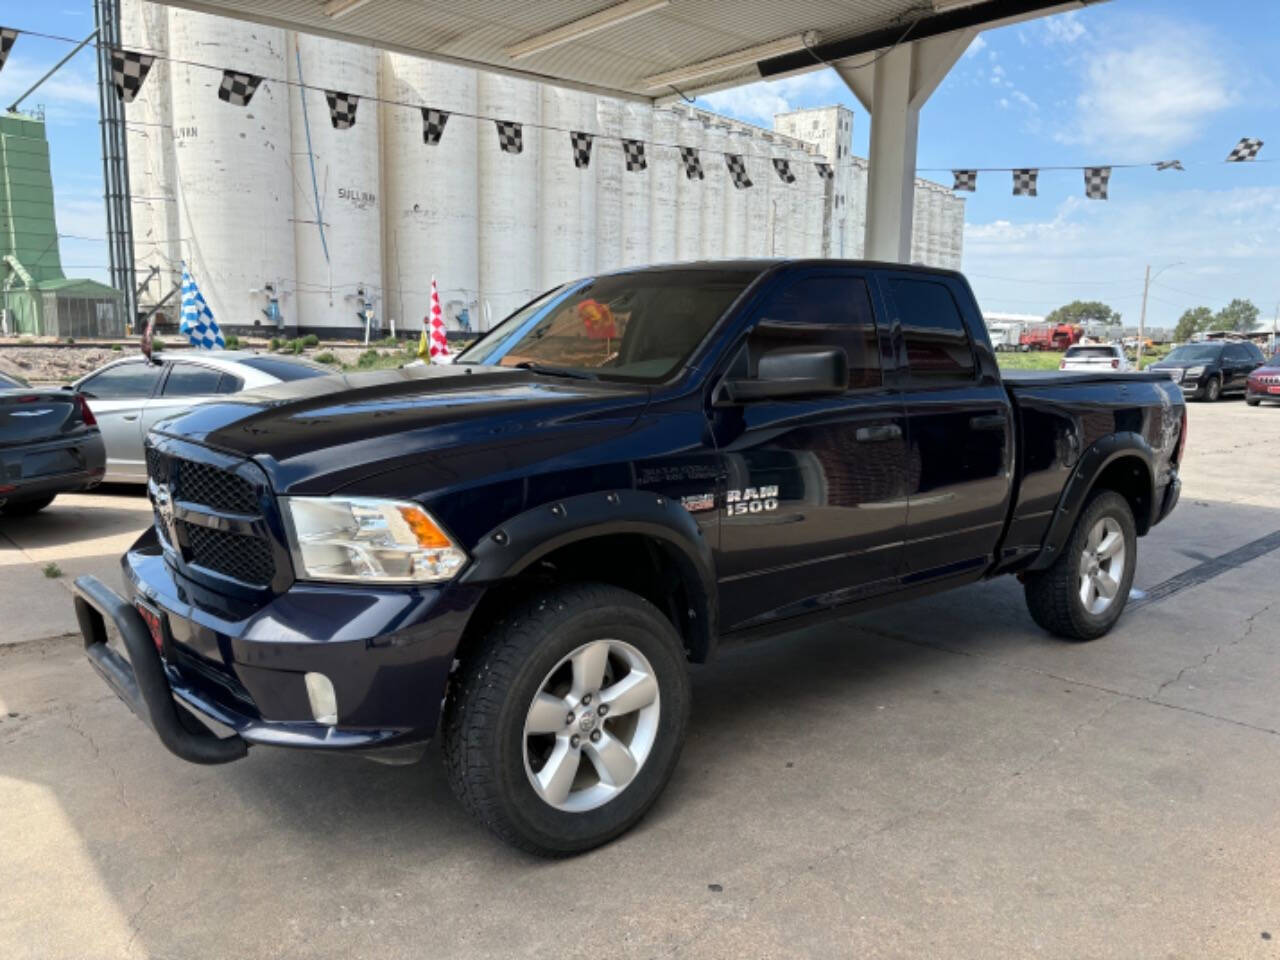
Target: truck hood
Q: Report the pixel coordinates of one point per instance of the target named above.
(321, 434)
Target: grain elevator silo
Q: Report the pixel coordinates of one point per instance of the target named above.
(665, 173)
(637, 125)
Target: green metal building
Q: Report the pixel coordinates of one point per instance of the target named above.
(37, 298)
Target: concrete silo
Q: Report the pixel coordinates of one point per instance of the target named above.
(817, 202)
(798, 194)
(607, 235)
(430, 205)
(763, 178)
(637, 124)
(734, 243)
(337, 225)
(665, 174)
(562, 214)
(690, 191)
(715, 141)
(232, 169)
(508, 194)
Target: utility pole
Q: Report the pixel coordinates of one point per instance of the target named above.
(1142, 317)
(1275, 324)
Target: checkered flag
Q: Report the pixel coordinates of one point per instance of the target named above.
(7, 36)
(1246, 149)
(342, 108)
(692, 165)
(965, 180)
(128, 70)
(783, 169)
(1170, 165)
(433, 122)
(825, 170)
(1095, 182)
(197, 319)
(581, 143)
(633, 150)
(737, 170)
(1024, 182)
(238, 89)
(510, 136)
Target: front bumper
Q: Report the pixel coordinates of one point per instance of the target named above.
(387, 652)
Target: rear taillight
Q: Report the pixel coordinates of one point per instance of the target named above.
(1115, 364)
(1062, 364)
(85, 413)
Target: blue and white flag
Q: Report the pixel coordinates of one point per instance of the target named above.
(197, 319)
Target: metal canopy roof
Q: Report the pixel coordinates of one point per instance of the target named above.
(618, 58)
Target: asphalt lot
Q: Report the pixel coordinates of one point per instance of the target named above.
(932, 780)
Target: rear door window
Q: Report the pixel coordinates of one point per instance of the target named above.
(191, 380)
(125, 381)
(828, 311)
(937, 342)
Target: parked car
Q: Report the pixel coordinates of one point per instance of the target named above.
(1095, 358)
(49, 444)
(1209, 370)
(1264, 382)
(521, 551)
(131, 395)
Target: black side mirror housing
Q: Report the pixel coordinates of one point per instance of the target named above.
(793, 372)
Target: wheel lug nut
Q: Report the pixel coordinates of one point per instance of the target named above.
(586, 699)
(569, 719)
(603, 709)
(595, 736)
(575, 740)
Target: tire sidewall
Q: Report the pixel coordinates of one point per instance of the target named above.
(1213, 389)
(648, 631)
(1106, 504)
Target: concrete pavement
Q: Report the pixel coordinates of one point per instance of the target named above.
(937, 779)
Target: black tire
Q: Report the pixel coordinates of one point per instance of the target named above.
(25, 508)
(484, 719)
(1053, 595)
(1251, 402)
(1213, 390)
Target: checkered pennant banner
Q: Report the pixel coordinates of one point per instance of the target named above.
(1095, 182)
(510, 136)
(737, 170)
(581, 143)
(965, 180)
(433, 122)
(1024, 182)
(782, 168)
(342, 108)
(825, 170)
(692, 165)
(633, 150)
(238, 89)
(197, 319)
(1170, 165)
(128, 70)
(1246, 149)
(7, 36)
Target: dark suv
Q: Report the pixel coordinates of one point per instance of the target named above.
(1206, 371)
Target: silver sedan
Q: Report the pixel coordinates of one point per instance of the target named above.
(129, 396)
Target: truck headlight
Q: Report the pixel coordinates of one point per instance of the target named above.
(1193, 371)
(359, 538)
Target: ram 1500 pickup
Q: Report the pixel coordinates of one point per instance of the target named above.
(520, 552)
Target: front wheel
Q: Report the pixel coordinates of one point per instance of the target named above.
(1081, 596)
(1213, 390)
(566, 723)
(1253, 403)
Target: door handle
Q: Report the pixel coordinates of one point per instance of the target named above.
(878, 434)
(130, 416)
(991, 421)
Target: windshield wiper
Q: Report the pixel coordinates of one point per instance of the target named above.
(555, 371)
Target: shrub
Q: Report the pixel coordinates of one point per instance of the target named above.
(310, 340)
(116, 348)
(275, 343)
(233, 342)
(156, 344)
(325, 357)
(52, 570)
(368, 358)
(71, 339)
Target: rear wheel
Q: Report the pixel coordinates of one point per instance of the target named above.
(567, 722)
(1251, 402)
(1081, 596)
(1213, 390)
(25, 508)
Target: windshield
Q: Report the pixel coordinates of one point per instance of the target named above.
(636, 326)
(1194, 353)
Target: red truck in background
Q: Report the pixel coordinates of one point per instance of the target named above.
(1050, 336)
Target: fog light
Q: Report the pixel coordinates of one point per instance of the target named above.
(324, 702)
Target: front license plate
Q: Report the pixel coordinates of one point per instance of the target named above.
(1275, 389)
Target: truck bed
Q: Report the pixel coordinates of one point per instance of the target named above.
(1053, 378)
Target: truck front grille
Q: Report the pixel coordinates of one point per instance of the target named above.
(246, 559)
(215, 488)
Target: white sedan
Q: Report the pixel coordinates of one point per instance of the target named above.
(1095, 358)
(129, 396)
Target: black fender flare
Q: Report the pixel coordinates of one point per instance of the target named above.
(518, 543)
(1080, 484)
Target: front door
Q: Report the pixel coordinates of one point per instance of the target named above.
(117, 395)
(814, 490)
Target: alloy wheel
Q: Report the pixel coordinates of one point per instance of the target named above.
(1102, 566)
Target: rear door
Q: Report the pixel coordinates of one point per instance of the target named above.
(116, 396)
(186, 384)
(815, 498)
(959, 427)
(1238, 362)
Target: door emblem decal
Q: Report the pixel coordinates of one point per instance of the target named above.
(751, 500)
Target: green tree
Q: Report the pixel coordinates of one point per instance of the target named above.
(1084, 311)
(1238, 315)
(1193, 321)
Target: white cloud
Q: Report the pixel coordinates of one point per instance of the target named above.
(976, 47)
(66, 94)
(1149, 96)
(758, 102)
(1064, 28)
(1095, 250)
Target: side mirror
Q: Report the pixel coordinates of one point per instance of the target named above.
(793, 372)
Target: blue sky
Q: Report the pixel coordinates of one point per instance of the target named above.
(1124, 81)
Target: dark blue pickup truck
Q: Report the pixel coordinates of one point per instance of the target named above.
(521, 551)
